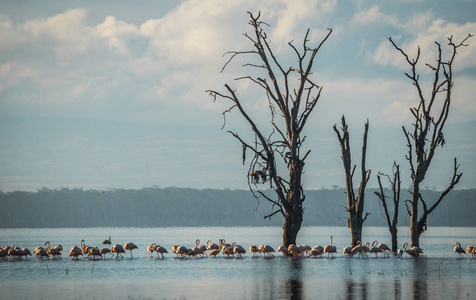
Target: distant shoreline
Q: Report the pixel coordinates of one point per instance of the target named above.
(186, 207)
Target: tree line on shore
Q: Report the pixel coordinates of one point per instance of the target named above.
(179, 207)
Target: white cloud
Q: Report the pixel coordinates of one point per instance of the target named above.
(372, 15)
(437, 31)
(12, 73)
(67, 33)
(117, 32)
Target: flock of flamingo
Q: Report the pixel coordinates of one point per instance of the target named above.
(11, 253)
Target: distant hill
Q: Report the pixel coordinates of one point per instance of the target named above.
(165, 207)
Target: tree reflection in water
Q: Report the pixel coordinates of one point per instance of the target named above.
(420, 284)
(295, 284)
(356, 289)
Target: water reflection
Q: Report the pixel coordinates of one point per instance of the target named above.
(420, 284)
(397, 289)
(295, 284)
(356, 289)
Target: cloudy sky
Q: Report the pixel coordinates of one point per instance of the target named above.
(111, 94)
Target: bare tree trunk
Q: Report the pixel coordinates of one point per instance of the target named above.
(427, 132)
(355, 205)
(395, 184)
(281, 147)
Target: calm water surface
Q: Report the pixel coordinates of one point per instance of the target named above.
(438, 274)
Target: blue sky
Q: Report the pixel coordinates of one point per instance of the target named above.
(112, 94)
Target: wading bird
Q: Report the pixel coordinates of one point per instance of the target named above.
(130, 246)
(107, 242)
(359, 249)
(150, 249)
(75, 252)
(384, 249)
(160, 250)
(266, 249)
(413, 253)
(254, 249)
(104, 251)
(458, 249)
(118, 249)
(330, 249)
(281, 248)
(375, 249)
(347, 251)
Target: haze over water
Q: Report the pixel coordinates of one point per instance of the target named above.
(438, 274)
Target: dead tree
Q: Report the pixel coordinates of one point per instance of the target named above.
(395, 183)
(430, 117)
(289, 107)
(355, 204)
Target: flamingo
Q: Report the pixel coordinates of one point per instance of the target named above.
(53, 251)
(347, 251)
(14, 253)
(359, 249)
(399, 253)
(150, 249)
(227, 250)
(316, 251)
(267, 249)
(3, 254)
(384, 249)
(197, 250)
(130, 246)
(417, 249)
(222, 243)
(174, 249)
(182, 251)
(107, 242)
(293, 250)
(214, 252)
(458, 249)
(118, 249)
(470, 249)
(160, 250)
(375, 249)
(281, 248)
(303, 249)
(201, 247)
(211, 246)
(84, 248)
(94, 252)
(330, 249)
(238, 250)
(75, 252)
(413, 253)
(41, 253)
(26, 252)
(254, 249)
(104, 251)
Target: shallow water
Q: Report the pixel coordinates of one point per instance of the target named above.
(438, 274)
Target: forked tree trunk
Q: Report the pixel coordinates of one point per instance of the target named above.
(427, 132)
(278, 145)
(355, 205)
(395, 183)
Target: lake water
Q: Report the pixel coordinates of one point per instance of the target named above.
(438, 274)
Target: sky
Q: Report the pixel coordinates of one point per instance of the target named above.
(111, 94)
